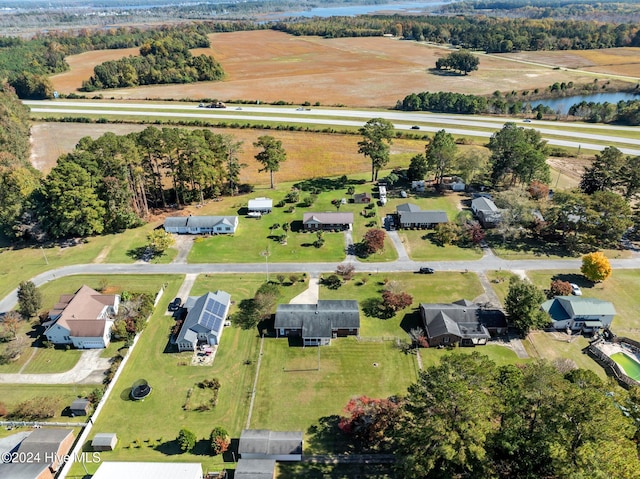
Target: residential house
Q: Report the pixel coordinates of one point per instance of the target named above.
(104, 441)
(260, 205)
(83, 319)
(274, 445)
(25, 470)
(150, 470)
(578, 313)
(362, 198)
(327, 221)
(255, 469)
(486, 211)
(201, 224)
(318, 323)
(410, 216)
(463, 322)
(205, 320)
(80, 407)
(47, 446)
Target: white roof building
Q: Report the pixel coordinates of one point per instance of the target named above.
(155, 470)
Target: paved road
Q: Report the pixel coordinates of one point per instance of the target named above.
(577, 134)
(487, 263)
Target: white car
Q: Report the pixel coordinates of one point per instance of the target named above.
(575, 289)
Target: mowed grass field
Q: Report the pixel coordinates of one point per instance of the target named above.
(369, 72)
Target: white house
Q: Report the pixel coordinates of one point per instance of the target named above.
(578, 313)
(260, 205)
(205, 320)
(83, 319)
(201, 224)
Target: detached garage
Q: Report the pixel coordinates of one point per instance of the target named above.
(265, 444)
(104, 441)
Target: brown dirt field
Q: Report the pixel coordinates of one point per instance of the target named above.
(613, 61)
(309, 155)
(81, 67)
(366, 72)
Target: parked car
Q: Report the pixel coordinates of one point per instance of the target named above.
(175, 304)
(425, 270)
(575, 289)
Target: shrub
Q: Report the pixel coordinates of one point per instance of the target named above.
(36, 408)
(219, 440)
(332, 282)
(346, 270)
(186, 439)
(559, 288)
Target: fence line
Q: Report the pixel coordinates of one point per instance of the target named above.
(41, 424)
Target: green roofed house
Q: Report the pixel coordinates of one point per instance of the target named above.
(578, 313)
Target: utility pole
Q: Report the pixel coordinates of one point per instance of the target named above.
(266, 253)
(43, 254)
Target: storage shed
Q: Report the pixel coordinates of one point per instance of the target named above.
(80, 407)
(260, 205)
(266, 444)
(104, 441)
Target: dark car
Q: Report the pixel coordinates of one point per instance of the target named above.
(175, 304)
(426, 270)
(415, 127)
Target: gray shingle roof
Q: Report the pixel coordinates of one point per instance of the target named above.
(317, 320)
(255, 469)
(409, 207)
(176, 221)
(44, 443)
(484, 204)
(272, 443)
(198, 319)
(329, 218)
(422, 217)
(22, 470)
(461, 318)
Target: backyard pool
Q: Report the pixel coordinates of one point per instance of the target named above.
(628, 364)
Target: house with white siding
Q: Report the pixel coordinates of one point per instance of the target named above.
(195, 225)
(83, 319)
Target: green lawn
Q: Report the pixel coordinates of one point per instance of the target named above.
(155, 422)
(436, 288)
(501, 355)
(294, 395)
(49, 360)
(500, 282)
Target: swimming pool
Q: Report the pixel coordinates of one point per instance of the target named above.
(628, 364)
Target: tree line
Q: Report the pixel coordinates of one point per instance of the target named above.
(492, 35)
(26, 63)
(470, 418)
(109, 184)
(167, 60)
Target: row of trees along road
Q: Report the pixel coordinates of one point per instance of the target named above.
(469, 418)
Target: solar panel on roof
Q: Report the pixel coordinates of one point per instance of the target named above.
(212, 316)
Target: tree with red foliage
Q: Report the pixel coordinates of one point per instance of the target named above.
(373, 240)
(538, 190)
(369, 421)
(559, 288)
(396, 301)
(219, 440)
(475, 232)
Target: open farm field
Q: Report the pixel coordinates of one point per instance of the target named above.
(612, 61)
(309, 155)
(368, 72)
(81, 67)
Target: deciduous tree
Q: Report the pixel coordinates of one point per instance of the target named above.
(441, 155)
(418, 168)
(219, 440)
(377, 135)
(559, 288)
(159, 240)
(523, 305)
(271, 156)
(596, 267)
(373, 240)
(186, 440)
(29, 299)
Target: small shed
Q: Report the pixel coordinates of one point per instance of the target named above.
(266, 444)
(255, 469)
(104, 441)
(362, 198)
(80, 407)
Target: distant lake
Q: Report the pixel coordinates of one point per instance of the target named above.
(562, 105)
(353, 10)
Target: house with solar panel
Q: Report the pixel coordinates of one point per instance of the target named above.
(205, 320)
(195, 225)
